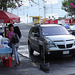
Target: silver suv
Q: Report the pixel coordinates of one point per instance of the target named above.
(51, 39)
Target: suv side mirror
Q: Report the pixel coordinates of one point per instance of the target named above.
(37, 35)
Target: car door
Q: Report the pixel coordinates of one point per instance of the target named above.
(33, 38)
(36, 38)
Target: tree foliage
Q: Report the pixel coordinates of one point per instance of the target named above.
(4, 4)
(67, 7)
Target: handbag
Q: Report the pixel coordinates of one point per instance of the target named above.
(15, 39)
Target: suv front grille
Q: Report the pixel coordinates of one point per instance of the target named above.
(63, 46)
(69, 45)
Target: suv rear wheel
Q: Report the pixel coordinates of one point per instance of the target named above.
(30, 49)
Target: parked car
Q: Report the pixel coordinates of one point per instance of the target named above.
(72, 27)
(51, 39)
(67, 26)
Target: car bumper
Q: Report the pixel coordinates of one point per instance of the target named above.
(63, 52)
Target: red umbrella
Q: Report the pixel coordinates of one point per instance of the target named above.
(6, 17)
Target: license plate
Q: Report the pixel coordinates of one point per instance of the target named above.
(65, 52)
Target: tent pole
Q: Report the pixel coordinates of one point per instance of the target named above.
(6, 24)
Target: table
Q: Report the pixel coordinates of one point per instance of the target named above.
(4, 51)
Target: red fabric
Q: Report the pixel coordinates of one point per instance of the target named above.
(6, 17)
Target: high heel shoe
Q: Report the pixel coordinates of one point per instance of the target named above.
(19, 62)
(16, 64)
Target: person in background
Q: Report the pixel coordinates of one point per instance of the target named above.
(16, 45)
(17, 31)
(10, 34)
(11, 31)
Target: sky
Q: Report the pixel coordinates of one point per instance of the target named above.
(51, 1)
(25, 2)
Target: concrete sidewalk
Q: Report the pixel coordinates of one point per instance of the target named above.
(25, 68)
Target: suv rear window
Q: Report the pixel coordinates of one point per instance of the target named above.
(55, 30)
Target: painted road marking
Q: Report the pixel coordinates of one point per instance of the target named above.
(24, 51)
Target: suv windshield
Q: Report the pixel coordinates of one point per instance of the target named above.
(55, 30)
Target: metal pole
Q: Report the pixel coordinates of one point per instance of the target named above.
(39, 12)
(23, 10)
(17, 11)
(51, 7)
(44, 10)
(27, 15)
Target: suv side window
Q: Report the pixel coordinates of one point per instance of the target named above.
(35, 30)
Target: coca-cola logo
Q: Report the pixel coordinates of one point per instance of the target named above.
(1, 20)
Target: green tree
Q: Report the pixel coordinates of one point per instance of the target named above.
(67, 7)
(4, 4)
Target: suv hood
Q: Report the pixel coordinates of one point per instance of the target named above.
(60, 37)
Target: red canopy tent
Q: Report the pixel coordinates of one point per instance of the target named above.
(6, 17)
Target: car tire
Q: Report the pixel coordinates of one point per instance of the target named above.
(31, 51)
(73, 55)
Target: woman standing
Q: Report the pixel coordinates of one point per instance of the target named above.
(10, 34)
(16, 45)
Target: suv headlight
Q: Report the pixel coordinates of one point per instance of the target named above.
(50, 44)
(74, 42)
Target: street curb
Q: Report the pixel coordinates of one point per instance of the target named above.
(21, 50)
(22, 55)
(29, 24)
(30, 60)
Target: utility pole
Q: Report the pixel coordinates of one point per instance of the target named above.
(51, 9)
(27, 15)
(39, 11)
(44, 9)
